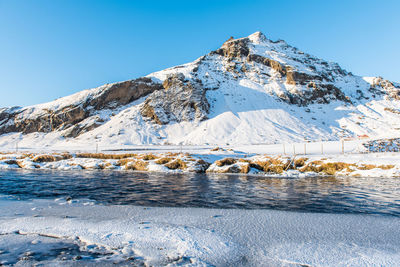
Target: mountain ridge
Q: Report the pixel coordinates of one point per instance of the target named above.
(250, 90)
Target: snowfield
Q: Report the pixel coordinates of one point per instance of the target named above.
(190, 236)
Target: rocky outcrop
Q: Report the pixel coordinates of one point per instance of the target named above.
(300, 78)
(69, 117)
(47, 121)
(275, 65)
(321, 94)
(382, 86)
(233, 49)
(181, 100)
(123, 93)
(317, 87)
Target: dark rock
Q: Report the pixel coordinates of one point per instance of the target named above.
(301, 78)
(69, 117)
(233, 49)
(182, 100)
(275, 65)
(124, 92)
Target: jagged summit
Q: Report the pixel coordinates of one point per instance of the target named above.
(257, 37)
(250, 90)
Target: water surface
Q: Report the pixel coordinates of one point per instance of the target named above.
(318, 194)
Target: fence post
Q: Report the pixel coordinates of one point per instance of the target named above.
(97, 148)
(284, 149)
(305, 151)
(294, 150)
(342, 146)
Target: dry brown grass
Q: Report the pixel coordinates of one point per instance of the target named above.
(313, 166)
(123, 162)
(105, 156)
(386, 167)
(176, 164)
(140, 165)
(108, 165)
(366, 167)
(20, 164)
(137, 165)
(330, 168)
(271, 165)
(245, 168)
(225, 161)
(217, 149)
(44, 158)
(148, 157)
(66, 156)
(171, 154)
(300, 162)
(50, 158)
(372, 166)
(163, 161)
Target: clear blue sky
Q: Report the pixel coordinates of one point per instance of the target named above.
(53, 48)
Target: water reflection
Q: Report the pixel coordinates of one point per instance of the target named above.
(317, 194)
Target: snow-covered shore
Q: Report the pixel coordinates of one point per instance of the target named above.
(191, 236)
(217, 160)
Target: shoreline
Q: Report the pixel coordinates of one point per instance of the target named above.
(214, 162)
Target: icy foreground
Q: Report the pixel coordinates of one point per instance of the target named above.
(252, 90)
(191, 236)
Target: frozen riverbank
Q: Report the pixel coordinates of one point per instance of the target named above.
(192, 236)
(217, 160)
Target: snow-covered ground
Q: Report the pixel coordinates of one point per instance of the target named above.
(281, 148)
(56, 231)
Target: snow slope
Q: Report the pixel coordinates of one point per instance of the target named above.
(255, 91)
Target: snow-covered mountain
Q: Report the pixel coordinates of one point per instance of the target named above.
(251, 90)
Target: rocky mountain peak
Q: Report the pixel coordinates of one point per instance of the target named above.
(241, 81)
(257, 38)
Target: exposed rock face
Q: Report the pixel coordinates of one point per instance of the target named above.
(123, 93)
(233, 49)
(114, 95)
(382, 86)
(46, 122)
(319, 86)
(181, 100)
(275, 65)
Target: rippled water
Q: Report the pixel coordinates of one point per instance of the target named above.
(318, 194)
